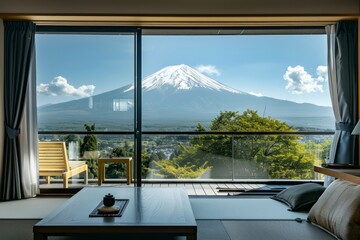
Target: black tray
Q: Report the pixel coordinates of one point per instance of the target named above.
(120, 203)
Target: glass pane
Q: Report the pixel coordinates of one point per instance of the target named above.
(255, 82)
(186, 157)
(105, 146)
(279, 156)
(85, 79)
(193, 79)
(233, 157)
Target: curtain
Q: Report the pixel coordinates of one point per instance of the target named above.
(343, 84)
(18, 54)
(2, 129)
(29, 139)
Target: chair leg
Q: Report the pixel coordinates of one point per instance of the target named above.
(86, 176)
(47, 179)
(65, 181)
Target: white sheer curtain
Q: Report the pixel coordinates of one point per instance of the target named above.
(29, 140)
(333, 86)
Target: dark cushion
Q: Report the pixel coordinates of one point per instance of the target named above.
(338, 210)
(300, 197)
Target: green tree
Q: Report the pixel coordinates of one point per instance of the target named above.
(118, 170)
(90, 145)
(257, 156)
(157, 155)
(320, 150)
(72, 138)
(252, 156)
(325, 150)
(90, 141)
(182, 166)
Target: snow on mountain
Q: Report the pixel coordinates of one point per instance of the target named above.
(181, 77)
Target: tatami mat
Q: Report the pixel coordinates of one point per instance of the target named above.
(274, 230)
(203, 208)
(242, 208)
(32, 208)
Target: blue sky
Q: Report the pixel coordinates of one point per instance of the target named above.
(291, 67)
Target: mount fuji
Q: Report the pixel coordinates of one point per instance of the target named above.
(174, 94)
(181, 77)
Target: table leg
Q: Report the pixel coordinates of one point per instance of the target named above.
(99, 174)
(128, 165)
(40, 236)
(191, 237)
(103, 173)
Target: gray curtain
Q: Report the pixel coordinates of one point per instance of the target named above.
(343, 83)
(29, 139)
(18, 53)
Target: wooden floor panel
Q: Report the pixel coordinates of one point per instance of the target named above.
(193, 189)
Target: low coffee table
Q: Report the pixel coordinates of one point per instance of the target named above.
(151, 211)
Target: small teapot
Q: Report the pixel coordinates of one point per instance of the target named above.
(109, 200)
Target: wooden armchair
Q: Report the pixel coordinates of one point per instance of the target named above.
(53, 161)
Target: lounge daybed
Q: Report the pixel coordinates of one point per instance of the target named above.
(252, 218)
(53, 161)
(336, 215)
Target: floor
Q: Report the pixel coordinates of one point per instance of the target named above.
(193, 189)
(218, 218)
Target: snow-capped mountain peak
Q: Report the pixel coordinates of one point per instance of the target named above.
(181, 77)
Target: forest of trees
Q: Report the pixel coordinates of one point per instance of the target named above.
(264, 156)
(249, 156)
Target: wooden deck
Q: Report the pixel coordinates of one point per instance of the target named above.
(193, 189)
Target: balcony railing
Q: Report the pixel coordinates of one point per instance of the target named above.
(206, 156)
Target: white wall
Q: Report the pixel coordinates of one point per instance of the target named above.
(182, 7)
(1, 95)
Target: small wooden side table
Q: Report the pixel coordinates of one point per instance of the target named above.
(351, 175)
(101, 167)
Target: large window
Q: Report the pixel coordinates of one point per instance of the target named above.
(85, 79)
(215, 103)
(279, 76)
(245, 84)
(85, 85)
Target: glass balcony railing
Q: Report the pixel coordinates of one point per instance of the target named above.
(235, 156)
(205, 156)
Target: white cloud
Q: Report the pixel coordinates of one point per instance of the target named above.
(256, 94)
(208, 69)
(322, 72)
(299, 81)
(60, 87)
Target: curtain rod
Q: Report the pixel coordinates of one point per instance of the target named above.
(180, 20)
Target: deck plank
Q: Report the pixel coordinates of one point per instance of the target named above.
(222, 185)
(230, 185)
(239, 186)
(247, 186)
(198, 189)
(208, 190)
(190, 189)
(193, 189)
(216, 189)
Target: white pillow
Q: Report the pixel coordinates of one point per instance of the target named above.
(338, 210)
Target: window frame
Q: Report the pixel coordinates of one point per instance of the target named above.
(138, 33)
